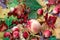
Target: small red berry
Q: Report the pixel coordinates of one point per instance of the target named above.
(15, 22)
(15, 34)
(40, 11)
(7, 34)
(25, 35)
(10, 13)
(47, 33)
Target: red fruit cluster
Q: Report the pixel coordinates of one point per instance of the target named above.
(50, 20)
(14, 34)
(18, 10)
(25, 34)
(21, 12)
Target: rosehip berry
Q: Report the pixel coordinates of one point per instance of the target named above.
(10, 13)
(15, 34)
(7, 34)
(25, 35)
(47, 33)
(40, 11)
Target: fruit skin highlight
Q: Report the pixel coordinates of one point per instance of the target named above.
(15, 29)
(34, 26)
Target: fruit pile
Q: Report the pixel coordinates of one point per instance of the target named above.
(29, 19)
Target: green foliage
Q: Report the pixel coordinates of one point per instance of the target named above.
(12, 3)
(32, 15)
(33, 4)
(9, 20)
(6, 38)
(52, 38)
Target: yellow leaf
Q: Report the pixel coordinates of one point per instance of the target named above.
(1, 34)
(3, 12)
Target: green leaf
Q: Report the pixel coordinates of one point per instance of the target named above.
(12, 3)
(9, 20)
(9, 30)
(6, 38)
(33, 4)
(32, 15)
(52, 38)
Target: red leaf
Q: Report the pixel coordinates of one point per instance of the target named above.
(46, 16)
(3, 27)
(50, 20)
